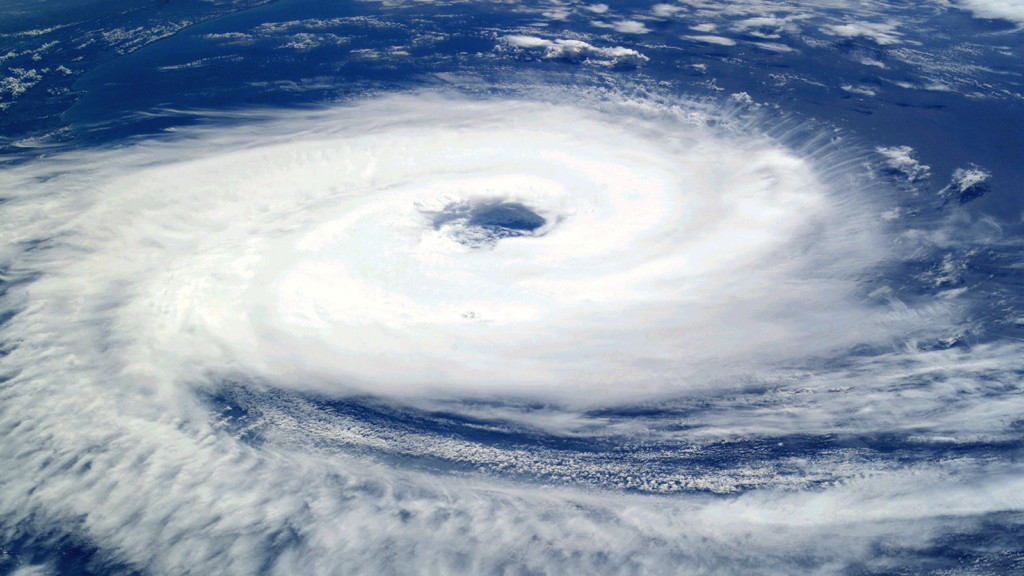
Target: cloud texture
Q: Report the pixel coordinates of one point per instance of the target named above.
(434, 251)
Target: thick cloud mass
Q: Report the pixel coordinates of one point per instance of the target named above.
(418, 248)
(361, 254)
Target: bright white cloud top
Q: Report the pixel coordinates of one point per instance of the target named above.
(424, 243)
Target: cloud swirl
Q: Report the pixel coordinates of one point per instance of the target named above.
(433, 250)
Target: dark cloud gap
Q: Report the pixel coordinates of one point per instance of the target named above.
(639, 461)
(59, 552)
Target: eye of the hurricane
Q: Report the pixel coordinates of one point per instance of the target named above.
(482, 223)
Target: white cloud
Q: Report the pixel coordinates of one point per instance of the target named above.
(881, 33)
(1012, 10)
(769, 26)
(967, 183)
(571, 51)
(231, 37)
(522, 41)
(308, 41)
(19, 82)
(302, 317)
(624, 26)
(666, 10)
(773, 47)
(276, 253)
(708, 39)
(964, 178)
(862, 90)
(902, 160)
(631, 27)
(742, 97)
(34, 570)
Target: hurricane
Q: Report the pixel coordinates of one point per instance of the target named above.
(432, 288)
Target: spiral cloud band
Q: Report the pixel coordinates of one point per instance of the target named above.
(426, 249)
(498, 244)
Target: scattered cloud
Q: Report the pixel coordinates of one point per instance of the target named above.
(881, 33)
(862, 90)
(534, 47)
(967, 183)
(901, 159)
(624, 26)
(708, 39)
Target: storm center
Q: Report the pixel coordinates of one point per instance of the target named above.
(482, 223)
